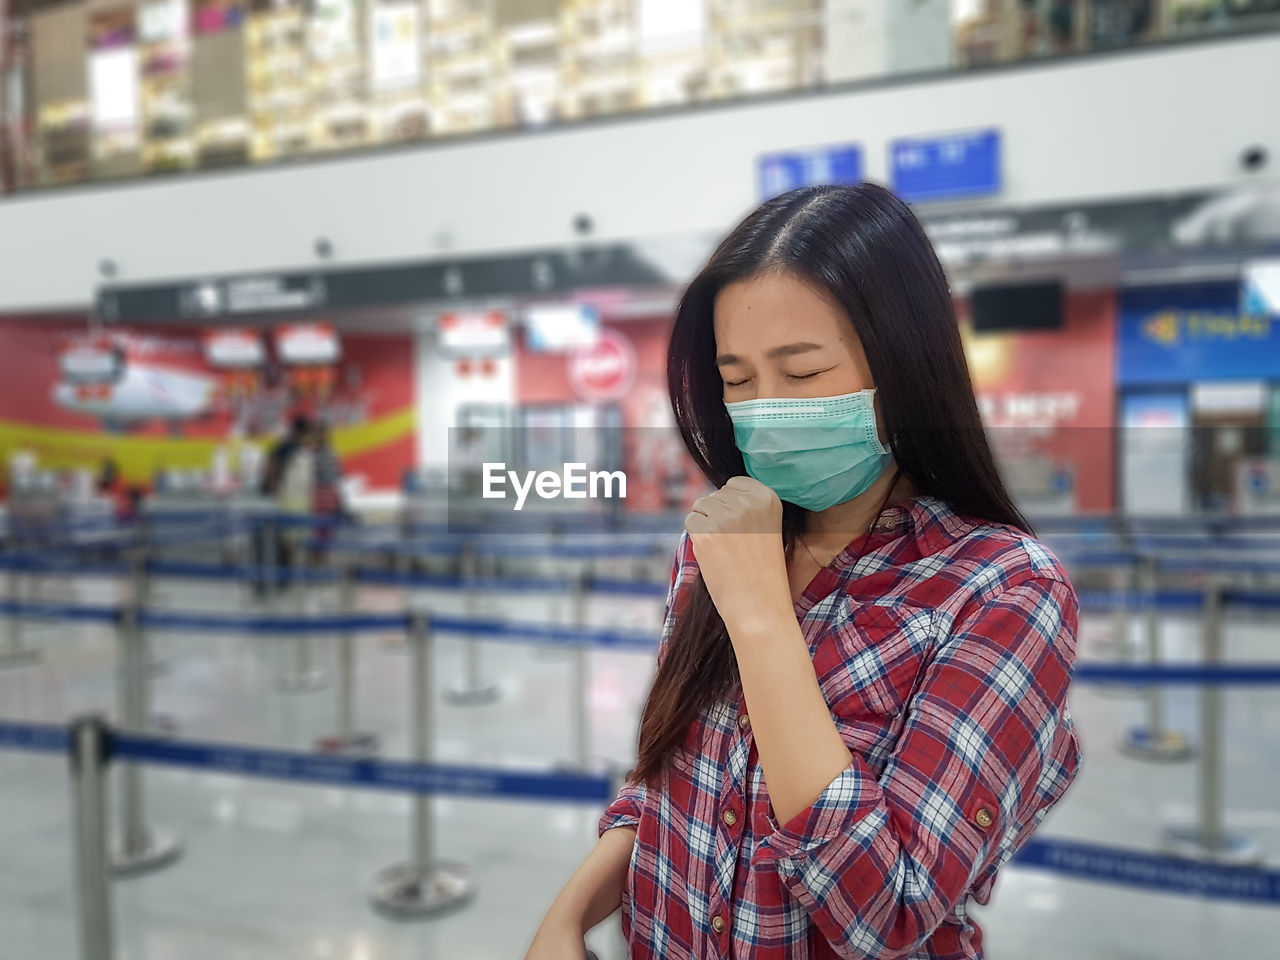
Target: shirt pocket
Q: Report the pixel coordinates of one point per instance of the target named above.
(870, 657)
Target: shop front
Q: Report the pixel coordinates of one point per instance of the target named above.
(1200, 400)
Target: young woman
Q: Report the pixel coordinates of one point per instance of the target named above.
(860, 706)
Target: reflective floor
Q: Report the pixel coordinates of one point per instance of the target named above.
(284, 871)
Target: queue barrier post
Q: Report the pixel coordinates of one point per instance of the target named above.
(347, 739)
(90, 745)
(579, 710)
(302, 676)
(1208, 839)
(472, 690)
(424, 885)
(1153, 741)
(142, 849)
(15, 652)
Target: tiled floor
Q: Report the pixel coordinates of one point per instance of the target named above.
(283, 871)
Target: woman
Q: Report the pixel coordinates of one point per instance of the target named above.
(860, 707)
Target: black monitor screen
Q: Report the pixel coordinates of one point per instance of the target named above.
(1021, 306)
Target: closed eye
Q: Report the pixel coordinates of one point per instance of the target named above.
(806, 376)
(736, 383)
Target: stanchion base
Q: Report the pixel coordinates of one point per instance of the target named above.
(1230, 849)
(1167, 746)
(161, 850)
(408, 891)
(352, 745)
(302, 682)
(477, 696)
(17, 659)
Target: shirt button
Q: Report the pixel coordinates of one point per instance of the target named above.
(717, 924)
(984, 818)
(730, 818)
(744, 722)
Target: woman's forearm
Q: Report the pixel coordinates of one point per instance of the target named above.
(595, 889)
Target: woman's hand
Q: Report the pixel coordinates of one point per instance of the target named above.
(558, 939)
(737, 540)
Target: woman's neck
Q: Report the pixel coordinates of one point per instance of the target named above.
(834, 527)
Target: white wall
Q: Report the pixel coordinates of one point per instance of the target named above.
(1161, 120)
(440, 391)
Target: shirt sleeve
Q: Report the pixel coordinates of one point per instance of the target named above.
(879, 865)
(625, 809)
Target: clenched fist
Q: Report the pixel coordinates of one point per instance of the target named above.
(737, 540)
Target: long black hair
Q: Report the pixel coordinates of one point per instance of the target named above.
(864, 248)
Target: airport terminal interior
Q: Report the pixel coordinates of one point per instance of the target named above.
(340, 483)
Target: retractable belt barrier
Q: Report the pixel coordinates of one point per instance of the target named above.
(1071, 858)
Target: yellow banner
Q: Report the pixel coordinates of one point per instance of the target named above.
(139, 457)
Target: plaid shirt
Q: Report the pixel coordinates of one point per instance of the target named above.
(944, 652)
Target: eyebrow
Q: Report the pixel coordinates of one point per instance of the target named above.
(786, 350)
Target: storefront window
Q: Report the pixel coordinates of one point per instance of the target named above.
(96, 91)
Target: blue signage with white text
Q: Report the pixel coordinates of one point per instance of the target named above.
(1187, 332)
(780, 172)
(946, 167)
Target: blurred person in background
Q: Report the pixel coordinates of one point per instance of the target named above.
(126, 500)
(281, 483)
(326, 489)
(860, 705)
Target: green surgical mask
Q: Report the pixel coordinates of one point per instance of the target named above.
(813, 452)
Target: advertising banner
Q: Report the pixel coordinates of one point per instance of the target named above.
(156, 398)
(1180, 333)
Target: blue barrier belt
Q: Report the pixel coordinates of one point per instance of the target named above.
(1181, 674)
(1096, 600)
(396, 775)
(232, 622)
(56, 611)
(1070, 858)
(36, 737)
(1152, 871)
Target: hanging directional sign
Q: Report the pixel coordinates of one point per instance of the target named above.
(780, 172)
(946, 167)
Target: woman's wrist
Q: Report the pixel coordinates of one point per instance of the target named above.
(749, 626)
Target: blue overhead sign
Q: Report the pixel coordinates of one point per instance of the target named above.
(946, 167)
(1187, 332)
(780, 172)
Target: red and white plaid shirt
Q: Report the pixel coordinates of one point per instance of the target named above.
(944, 652)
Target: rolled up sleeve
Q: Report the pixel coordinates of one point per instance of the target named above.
(624, 811)
(880, 863)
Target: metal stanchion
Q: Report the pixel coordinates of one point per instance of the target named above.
(424, 885)
(270, 571)
(1209, 839)
(15, 652)
(579, 711)
(1154, 741)
(347, 739)
(90, 751)
(141, 849)
(472, 690)
(562, 611)
(1125, 586)
(303, 677)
